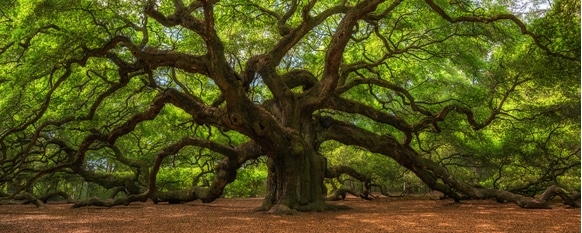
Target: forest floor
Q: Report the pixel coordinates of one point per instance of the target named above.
(237, 215)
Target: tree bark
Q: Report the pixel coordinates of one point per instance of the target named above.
(295, 183)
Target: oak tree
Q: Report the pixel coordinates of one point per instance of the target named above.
(119, 93)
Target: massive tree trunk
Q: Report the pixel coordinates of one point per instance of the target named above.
(296, 183)
(296, 169)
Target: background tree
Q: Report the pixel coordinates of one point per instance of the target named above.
(168, 100)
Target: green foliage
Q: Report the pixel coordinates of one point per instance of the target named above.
(170, 179)
(383, 171)
(250, 182)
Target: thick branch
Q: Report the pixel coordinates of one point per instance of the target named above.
(350, 106)
(333, 58)
(334, 172)
(429, 171)
(296, 78)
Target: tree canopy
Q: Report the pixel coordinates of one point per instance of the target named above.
(175, 100)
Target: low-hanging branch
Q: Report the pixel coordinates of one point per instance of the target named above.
(429, 171)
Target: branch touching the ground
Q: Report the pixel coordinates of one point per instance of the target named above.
(434, 175)
(26, 197)
(225, 173)
(110, 202)
(340, 194)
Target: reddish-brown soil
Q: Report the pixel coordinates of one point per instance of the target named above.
(236, 215)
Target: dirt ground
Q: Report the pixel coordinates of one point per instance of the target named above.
(236, 215)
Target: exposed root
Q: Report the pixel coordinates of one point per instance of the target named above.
(283, 210)
(263, 208)
(320, 207)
